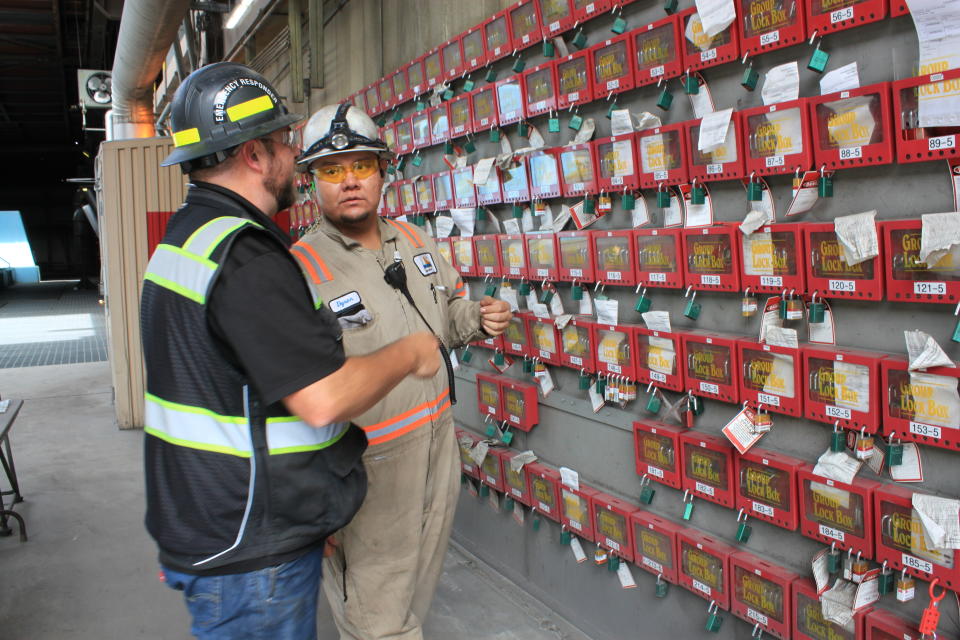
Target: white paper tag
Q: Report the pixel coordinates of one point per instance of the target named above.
(837, 465)
(625, 577)
(741, 430)
(673, 217)
(940, 518)
(715, 15)
(479, 452)
(924, 352)
(545, 380)
(911, 469)
(607, 311)
(556, 306)
(781, 84)
(842, 79)
(868, 591)
(481, 172)
(444, 225)
(577, 549)
(857, 235)
(570, 478)
(509, 295)
(836, 603)
(640, 215)
(657, 320)
(518, 513)
(702, 101)
(586, 305)
(713, 130)
(821, 571)
(805, 196)
(782, 337)
(621, 122)
(596, 399)
(939, 234)
(464, 219)
(822, 332)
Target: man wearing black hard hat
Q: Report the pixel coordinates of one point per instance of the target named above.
(250, 458)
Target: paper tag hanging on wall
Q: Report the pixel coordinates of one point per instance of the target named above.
(822, 332)
(621, 122)
(640, 215)
(910, 468)
(714, 129)
(580, 219)
(702, 101)
(577, 550)
(741, 430)
(542, 375)
(607, 310)
(596, 398)
(715, 15)
(805, 194)
(924, 352)
(697, 215)
(939, 234)
(838, 466)
(673, 216)
(781, 84)
(953, 166)
(940, 518)
(845, 78)
(857, 235)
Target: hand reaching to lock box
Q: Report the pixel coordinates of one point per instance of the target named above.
(495, 315)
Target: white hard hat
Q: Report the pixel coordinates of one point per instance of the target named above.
(340, 129)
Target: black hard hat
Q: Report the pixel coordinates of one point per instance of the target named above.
(218, 107)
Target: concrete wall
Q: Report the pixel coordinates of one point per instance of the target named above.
(599, 445)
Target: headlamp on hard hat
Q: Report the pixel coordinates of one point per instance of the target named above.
(341, 137)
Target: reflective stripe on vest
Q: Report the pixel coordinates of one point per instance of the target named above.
(408, 420)
(199, 428)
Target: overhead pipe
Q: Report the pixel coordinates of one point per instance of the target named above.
(147, 29)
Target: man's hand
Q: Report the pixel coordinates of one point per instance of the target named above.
(494, 315)
(330, 546)
(426, 351)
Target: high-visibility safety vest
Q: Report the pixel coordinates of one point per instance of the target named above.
(231, 484)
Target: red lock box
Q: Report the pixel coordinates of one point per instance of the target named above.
(495, 343)
(765, 26)
(464, 257)
(496, 33)
(761, 593)
(401, 86)
(466, 442)
(898, 8)
(576, 345)
(612, 527)
(488, 395)
(827, 16)
(490, 471)
(433, 67)
(509, 92)
(408, 197)
(902, 541)
(404, 129)
(385, 91)
(725, 163)
(388, 133)
(556, 16)
(617, 163)
(439, 123)
(708, 467)
(420, 121)
(614, 349)
(544, 340)
(658, 49)
(514, 182)
(518, 404)
(544, 174)
(372, 98)
(487, 256)
(461, 120)
(575, 510)
(711, 362)
(771, 376)
(583, 10)
(836, 512)
(705, 566)
(613, 253)
(655, 545)
(659, 263)
(880, 624)
(613, 70)
(543, 483)
(575, 79)
(516, 340)
(658, 359)
(483, 108)
(662, 152)
(772, 259)
(767, 487)
(442, 191)
(830, 275)
(578, 174)
(464, 195)
(916, 406)
(445, 249)
(776, 138)
(426, 203)
(524, 24)
(514, 482)
(540, 89)
(576, 256)
(808, 620)
(452, 55)
(390, 206)
(907, 277)
(416, 79)
(712, 257)
(513, 255)
(916, 143)
(490, 192)
(657, 451)
(852, 128)
(842, 386)
(704, 51)
(474, 49)
(543, 264)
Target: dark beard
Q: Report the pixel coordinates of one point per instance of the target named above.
(284, 194)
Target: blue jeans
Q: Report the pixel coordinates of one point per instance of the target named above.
(276, 603)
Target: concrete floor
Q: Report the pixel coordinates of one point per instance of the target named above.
(89, 571)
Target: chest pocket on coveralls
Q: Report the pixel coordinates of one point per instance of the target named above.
(350, 312)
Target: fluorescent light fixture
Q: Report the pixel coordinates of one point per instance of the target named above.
(238, 12)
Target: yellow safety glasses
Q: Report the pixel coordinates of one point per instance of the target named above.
(337, 173)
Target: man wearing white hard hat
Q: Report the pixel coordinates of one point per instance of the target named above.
(385, 279)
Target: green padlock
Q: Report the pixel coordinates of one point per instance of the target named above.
(536, 523)
(517, 210)
(491, 289)
(613, 564)
(838, 441)
(833, 560)
(401, 163)
(484, 490)
(782, 308)
(584, 382)
(816, 312)
(670, 6)
(818, 60)
(749, 79)
(894, 454)
(692, 308)
(565, 537)
(507, 437)
(548, 49)
(494, 135)
(662, 588)
(498, 358)
(743, 532)
(391, 169)
(688, 510)
(698, 195)
(553, 124)
(519, 65)
(469, 147)
(601, 384)
(481, 214)
(589, 205)
(646, 494)
(524, 130)
(491, 75)
(577, 292)
(886, 581)
(628, 201)
(576, 121)
(527, 365)
(611, 109)
(468, 85)
(691, 86)
(447, 94)
(417, 160)
(491, 430)
(754, 191)
(463, 478)
(579, 39)
(825, 185)
(665, 99)
(397, 116)
(546, 296)
(714, 621)
(448, 147)
(644, 302)
(382, 120)
(663, 199)
(619, 25)
(467, 355)
(419, 105)
(524, 288)
(956, 333)
(508, 503)
(653, 403)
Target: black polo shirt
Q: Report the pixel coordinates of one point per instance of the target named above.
(261, 310)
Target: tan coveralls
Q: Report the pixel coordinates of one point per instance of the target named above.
(390, 556)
